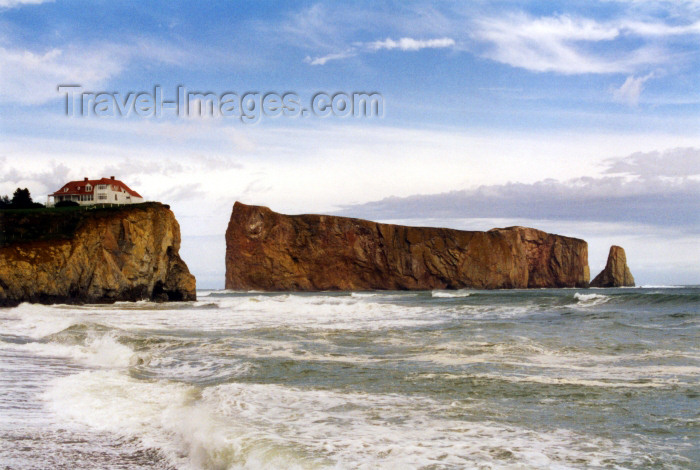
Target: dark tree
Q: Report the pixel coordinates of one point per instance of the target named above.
(21, 199)
(5, 202)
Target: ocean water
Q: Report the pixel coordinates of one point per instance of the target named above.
(518, 379)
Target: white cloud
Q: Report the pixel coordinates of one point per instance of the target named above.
(32, 77)
(674, 163)
(630, 90)
(410, 44)
(323, 59)
(641, 28)
(564, 28)
(559, 44)
(16, 3)
(40, 182)
(403, 44)
(29, 77)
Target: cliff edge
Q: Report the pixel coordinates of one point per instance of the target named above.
(74, 255)
(270, 251)
(616, 272)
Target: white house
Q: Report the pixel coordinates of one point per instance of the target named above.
(102, 191)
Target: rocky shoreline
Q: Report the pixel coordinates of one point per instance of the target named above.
(131, 253)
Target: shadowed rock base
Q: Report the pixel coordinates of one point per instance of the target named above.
(270, 251)
(616, 272)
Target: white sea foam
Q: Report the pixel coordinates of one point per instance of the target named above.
(530, 361)
(281, 349)
(449, 294)
(98, 350)
(590, 300)
(297, 311)
(244, 312)
(364, 294)
(660, 286)
(36, 321)
(272, 426)
(548, 380)
(205, 366)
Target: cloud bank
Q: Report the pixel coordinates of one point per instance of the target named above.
(655, 188)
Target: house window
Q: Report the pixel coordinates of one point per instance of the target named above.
(101, 186)
(65, 190)
(115, 197)
(88, 188)
(101, 196)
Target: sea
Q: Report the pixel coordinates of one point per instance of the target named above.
(513, 379)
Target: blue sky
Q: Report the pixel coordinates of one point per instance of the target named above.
(580, 118)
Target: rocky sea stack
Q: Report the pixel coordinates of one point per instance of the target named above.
(270, 251)
(98, 255)
(616, 272)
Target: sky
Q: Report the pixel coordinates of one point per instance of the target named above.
(580, 118)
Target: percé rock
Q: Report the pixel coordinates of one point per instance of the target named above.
(92, 256)
(616, 272)
(270, 251)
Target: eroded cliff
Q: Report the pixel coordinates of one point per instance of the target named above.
(616, 272)
(270, 251)
(94, 256)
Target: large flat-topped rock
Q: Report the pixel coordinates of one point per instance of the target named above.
(270, 251)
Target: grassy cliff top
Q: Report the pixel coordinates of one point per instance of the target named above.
(51, 223)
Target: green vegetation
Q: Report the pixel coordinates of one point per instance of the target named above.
(51, 223)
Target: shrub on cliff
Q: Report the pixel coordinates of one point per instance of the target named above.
(66, 204)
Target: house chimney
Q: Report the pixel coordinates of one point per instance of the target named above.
(111, 177)
(86, 178)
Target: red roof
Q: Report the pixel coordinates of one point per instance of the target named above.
(78, 187)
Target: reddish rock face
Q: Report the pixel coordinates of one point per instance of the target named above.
(270, 251)
(129, 253)
(616, 272)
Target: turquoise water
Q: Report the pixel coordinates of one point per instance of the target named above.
(568, 378)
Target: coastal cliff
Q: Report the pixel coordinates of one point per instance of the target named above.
(92, 256)
(270, 251)
(616, 272)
